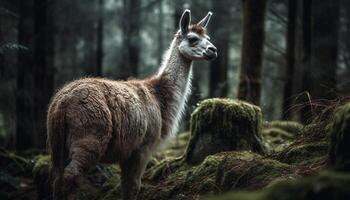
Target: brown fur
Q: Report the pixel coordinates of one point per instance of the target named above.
(198, 29)
(99, 120)
(95, 120)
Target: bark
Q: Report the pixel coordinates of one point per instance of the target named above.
(249, 87)
(288, 87)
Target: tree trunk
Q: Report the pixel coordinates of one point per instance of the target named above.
(288, 87)
(303, 54)
(25, 121)
(100, 24)
(43, 72)
(324, 44)
(218, 84)
(249, 87)
(131, 38)
(35, 74)
(321, 49)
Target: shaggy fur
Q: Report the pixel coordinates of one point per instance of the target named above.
(99, 120)
(95, 120)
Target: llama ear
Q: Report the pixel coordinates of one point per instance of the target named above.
(204, 22)
(185, 21)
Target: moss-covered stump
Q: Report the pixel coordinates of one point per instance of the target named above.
(339, 131)
(223, 125)
(326, 185)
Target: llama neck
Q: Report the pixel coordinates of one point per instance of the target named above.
(174, 64)
(174, 83)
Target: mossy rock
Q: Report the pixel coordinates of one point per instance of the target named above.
(277, 139)
(224, 125)
(339, 132)
(95, 184)
(291, 127)
(326, 185)
(304, 154)
(309, 148)
(216, 174)
(280, 134)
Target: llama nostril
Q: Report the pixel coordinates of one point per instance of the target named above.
(212, 48)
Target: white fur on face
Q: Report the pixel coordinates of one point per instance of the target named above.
(193, 46)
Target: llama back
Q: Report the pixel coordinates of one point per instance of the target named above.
(122, 112)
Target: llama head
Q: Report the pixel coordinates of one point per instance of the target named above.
(195, 44)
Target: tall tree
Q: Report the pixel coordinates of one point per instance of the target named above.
(99, 50)
(35, 72)
(43, 65)
(131, 38)
(249, 87)
(321, 52)
(291, 34)
(25, 121)
(218, 84)
(324, 44)
(302, 56)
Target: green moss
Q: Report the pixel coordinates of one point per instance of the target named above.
(326, 185)
(223, 125)
(14, 163)
(41, 161)
(276, 139)
(304, 154)
(339, 131)
(291, 127)
(216, 174)
(175, 148)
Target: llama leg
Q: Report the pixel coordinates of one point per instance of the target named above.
(132, 170)
(85, 153)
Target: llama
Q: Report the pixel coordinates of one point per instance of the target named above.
(95, 120)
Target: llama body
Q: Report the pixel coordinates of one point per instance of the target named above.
(98, 120)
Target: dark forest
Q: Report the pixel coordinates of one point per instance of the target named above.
(185, 99)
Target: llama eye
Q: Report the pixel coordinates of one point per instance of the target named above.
(192, 40)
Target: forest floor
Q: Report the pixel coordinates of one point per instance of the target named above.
(299, 162)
